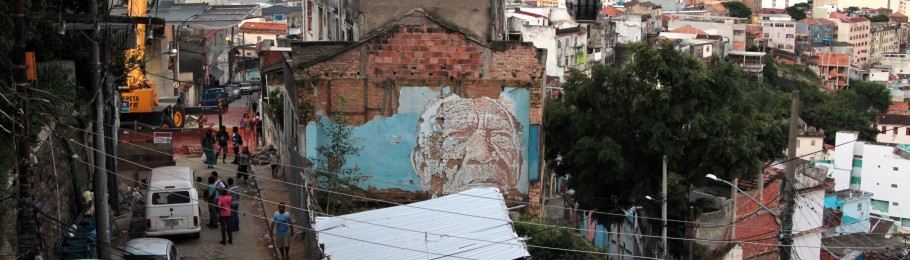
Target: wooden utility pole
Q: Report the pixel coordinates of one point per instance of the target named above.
(663, 210)
(26, 235)
(102, 218)
(788, 191)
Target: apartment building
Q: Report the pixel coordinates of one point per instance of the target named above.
(885, 39)
(857, 32)
(779, 32)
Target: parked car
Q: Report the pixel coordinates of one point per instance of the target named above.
(246, 88)
(255, 85)
(233, 91)
(150, 248)
(172, 203)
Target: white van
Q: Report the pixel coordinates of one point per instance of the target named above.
(172, 202)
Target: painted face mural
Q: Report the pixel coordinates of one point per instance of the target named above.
(464, 143)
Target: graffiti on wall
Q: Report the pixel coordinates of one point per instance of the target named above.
(464, 143)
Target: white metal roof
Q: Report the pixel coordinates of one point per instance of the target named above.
(178, 176)
(448, 229)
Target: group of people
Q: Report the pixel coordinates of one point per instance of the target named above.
(223, 204)
(242, 159)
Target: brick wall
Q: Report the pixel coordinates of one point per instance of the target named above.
(754, 224)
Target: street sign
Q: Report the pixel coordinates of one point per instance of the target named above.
(163, 137)
(124, 106)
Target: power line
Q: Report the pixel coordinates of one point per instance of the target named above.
(468, 215)
(505, 200)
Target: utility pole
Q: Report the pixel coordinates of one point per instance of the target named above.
(25, 221)
(100, 199)
(112, 101)
(692, 229)
(175, 31)
(789, 191)
(663, 209)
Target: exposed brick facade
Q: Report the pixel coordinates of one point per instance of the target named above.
(756, 225)
(417, 51)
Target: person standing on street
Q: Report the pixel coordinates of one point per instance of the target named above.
(208, 148)
(257, 125)
(273, 161)
(237, 141)
(282, 227)
(224, 211)
(243, 165)
(234, 191)
(222, 137)
(211, 195)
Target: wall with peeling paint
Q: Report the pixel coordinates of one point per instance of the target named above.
(443, 143)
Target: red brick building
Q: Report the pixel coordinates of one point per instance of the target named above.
(417, 83)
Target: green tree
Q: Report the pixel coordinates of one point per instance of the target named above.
(798, 11)
(738, 9)
(553, 237)
(614, 126)
(331, 164)
(877, 18)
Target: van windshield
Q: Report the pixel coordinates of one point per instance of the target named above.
(170, 197)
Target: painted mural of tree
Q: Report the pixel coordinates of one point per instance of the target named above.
(332, 157)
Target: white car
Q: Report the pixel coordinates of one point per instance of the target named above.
(150, 248)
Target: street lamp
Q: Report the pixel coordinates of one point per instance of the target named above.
(714, 177)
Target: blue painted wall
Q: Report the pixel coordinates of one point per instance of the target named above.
(387, 142)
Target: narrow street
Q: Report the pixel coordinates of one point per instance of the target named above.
(251, 241)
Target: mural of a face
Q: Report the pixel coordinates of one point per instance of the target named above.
(464, 143)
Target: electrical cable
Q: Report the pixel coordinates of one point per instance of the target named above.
(327, 233)
(511, 201)
(457, 213)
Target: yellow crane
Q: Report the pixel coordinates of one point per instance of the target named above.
(141, 95)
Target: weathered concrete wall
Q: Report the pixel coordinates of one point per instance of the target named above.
(433, 110)
(377, 14)
(59, 180)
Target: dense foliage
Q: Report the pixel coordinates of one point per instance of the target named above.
(554, 237)
(798, 11)
(612, 128)
(738, 9)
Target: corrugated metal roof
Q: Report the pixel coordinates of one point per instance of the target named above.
(444, 228)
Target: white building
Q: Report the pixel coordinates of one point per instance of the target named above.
(781, 4)
(877, 168)
(731, 29)
(893, 129)
(898, 62)
(543, 37)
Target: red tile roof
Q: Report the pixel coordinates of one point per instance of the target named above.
(719, 8)
(611, 11)
(808, 21)
(836, 15)
(898, 14)
(899, 106)
(264, 26)
(857, 19)
(825, 21)
(689, 29)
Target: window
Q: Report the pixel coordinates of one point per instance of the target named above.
(895, 204)
(170, 197)
(880, 205)
(812, 143)
(767, 35)
(893, 185)
(895, 131)
(859, 206)
(894, 168)
(884, 129)
(908, 131)
(258, 38)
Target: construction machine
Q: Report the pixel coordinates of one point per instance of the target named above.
(139, 99)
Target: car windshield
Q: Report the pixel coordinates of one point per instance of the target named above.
(170, 197)
(144, 257)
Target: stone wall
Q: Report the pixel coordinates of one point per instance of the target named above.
(59, 181)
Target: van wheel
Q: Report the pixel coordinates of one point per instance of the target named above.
(196, 236)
